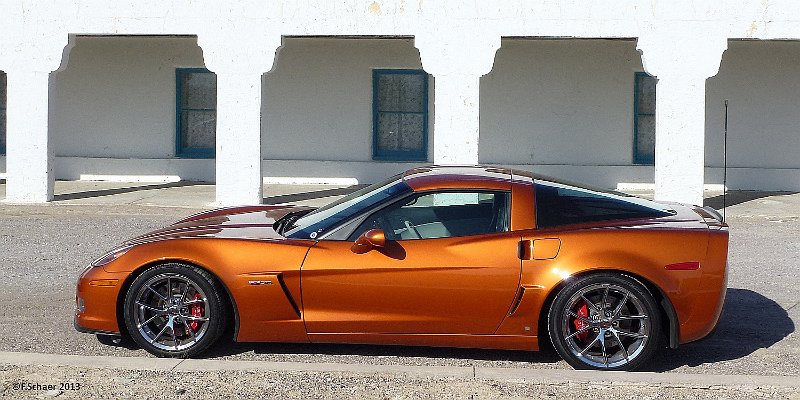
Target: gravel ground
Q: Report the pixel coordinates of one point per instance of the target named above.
(46, 246)
(106, 384)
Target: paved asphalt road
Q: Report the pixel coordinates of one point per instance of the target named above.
(45, 247)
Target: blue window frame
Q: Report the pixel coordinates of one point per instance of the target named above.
(2, 112)
(399, 115)
(644, 118)
(195, 112)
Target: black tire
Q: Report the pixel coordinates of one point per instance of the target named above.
(196, 323)
(628, 341)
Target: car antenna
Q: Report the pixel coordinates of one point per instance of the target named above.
(725, 162)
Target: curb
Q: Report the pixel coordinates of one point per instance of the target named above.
(530, 375)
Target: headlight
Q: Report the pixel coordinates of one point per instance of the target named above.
(111, 256)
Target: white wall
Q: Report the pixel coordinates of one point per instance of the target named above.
(317, 102)
(761, 80)
(563, 108)
(116, 97)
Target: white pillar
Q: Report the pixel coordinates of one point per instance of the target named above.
(29, 156)
(239, 64)
(239, 175)
(680, 139)
(457, 62)
(682, 58)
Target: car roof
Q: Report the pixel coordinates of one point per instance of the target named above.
(458, 177)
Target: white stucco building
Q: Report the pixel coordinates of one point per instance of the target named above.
(612, 93)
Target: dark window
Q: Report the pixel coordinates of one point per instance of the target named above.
(644, 119)
(442, 214)
(2, 112)
(400, 114)
(196, 112)
(559, 204)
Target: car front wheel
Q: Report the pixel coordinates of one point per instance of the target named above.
(605, 321)
(175, 310)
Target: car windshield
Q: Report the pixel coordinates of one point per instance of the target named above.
(324, 218)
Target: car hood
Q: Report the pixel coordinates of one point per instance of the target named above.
(252, 222)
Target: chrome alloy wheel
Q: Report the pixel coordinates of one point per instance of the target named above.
(605, 325)
(171, 312)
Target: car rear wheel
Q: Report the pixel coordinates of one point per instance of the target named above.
(605, 321)
(175, 310)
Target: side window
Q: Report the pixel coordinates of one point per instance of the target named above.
(196, 112)
(440, 215)
(559, 204)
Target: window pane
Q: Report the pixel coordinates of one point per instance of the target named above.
(439, 215)
(199, 128)
(401, 132)
(2, 128)
(646, 138)
(199, 90)
(2, 89)
(647, 94)
(389, 131)
(401, 92)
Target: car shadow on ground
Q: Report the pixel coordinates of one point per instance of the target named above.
(749, 322)
(228, 348)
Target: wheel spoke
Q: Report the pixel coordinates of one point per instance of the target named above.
(195, 301)
(620, 305)
(578, 332)
(185, 290)
(190, 330)
(631, 334)
(622, 345)
(627, 317)
(161, 332)
(605, 299)
(151, 308)
(590, 304)
(174, 336)
(148, 321)
(157, 294)
(602, 337)
(589, 346)
(581, 318)
(193, 318)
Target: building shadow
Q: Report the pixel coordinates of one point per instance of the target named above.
(316, 194)
(749, 322)
(738, 197)
(128, 189)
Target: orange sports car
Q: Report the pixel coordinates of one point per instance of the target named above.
(479, 257)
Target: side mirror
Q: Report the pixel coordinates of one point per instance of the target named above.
(369, 240)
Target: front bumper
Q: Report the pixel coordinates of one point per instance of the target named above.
(96, 301)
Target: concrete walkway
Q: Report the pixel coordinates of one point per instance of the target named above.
(543, 376)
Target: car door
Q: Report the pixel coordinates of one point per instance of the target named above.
(450, 265)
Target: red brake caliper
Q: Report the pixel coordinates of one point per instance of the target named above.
(583, 311)
(196, 310)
